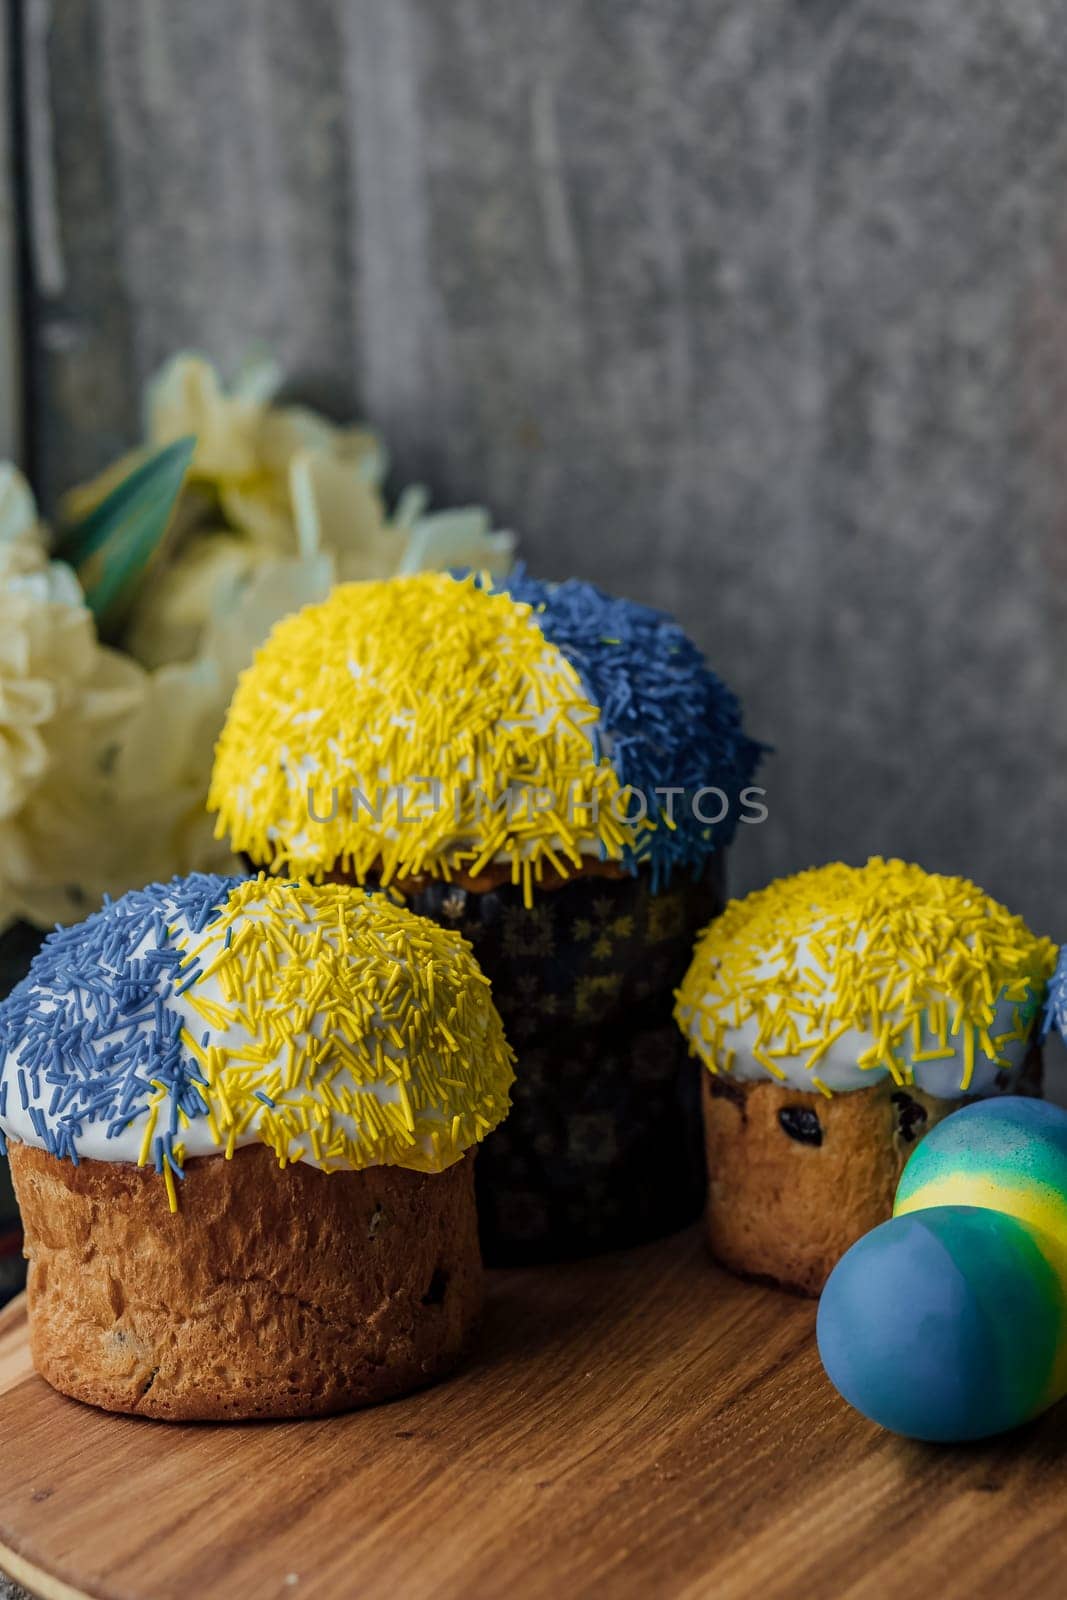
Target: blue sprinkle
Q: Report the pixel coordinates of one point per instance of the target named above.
(260, 1094)
(1056, 1004)
(670, 721)
(92, 1024)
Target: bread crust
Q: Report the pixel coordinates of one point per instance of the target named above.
(783, 1210)
(269, 1293)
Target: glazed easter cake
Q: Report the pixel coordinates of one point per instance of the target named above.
(841, 1014)
(502, 755)
(240, 1118)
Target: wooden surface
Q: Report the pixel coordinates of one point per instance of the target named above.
(638, 1425)
(755, 309)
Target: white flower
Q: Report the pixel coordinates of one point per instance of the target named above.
(105, 757)
(62, 700)
(270, 483)
(22, 540)
(339, 512)
(158, 778)
(245, 443)
(169, 619)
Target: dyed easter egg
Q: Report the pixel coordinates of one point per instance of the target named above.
(946, 1324)
(949, 1322)
(1009, 1154)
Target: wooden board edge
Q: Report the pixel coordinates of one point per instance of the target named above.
(35, 1579)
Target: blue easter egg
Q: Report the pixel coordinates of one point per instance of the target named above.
(945, 1324)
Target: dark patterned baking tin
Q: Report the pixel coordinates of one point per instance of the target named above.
(603, 1148)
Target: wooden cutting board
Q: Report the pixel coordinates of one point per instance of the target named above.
(639, 1425)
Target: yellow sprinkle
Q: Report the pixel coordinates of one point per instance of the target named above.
(816, 1055)
(492, 710)
(968, 1058)
(909, 959)
(325, 1012)
(149, 1134)
(765, 1061)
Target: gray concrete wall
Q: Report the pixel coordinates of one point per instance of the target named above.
(756, 309)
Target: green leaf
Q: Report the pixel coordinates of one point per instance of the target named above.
(113, 547)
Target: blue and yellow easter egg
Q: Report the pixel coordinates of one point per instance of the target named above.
(193, 1017)
(434, 724)
(1008, 1155)
(949, 1322)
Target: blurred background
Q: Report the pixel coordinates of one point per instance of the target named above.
(752, 309)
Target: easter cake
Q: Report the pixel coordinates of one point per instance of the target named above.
(557, 774)
(841, 1014)
(240, 1117)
